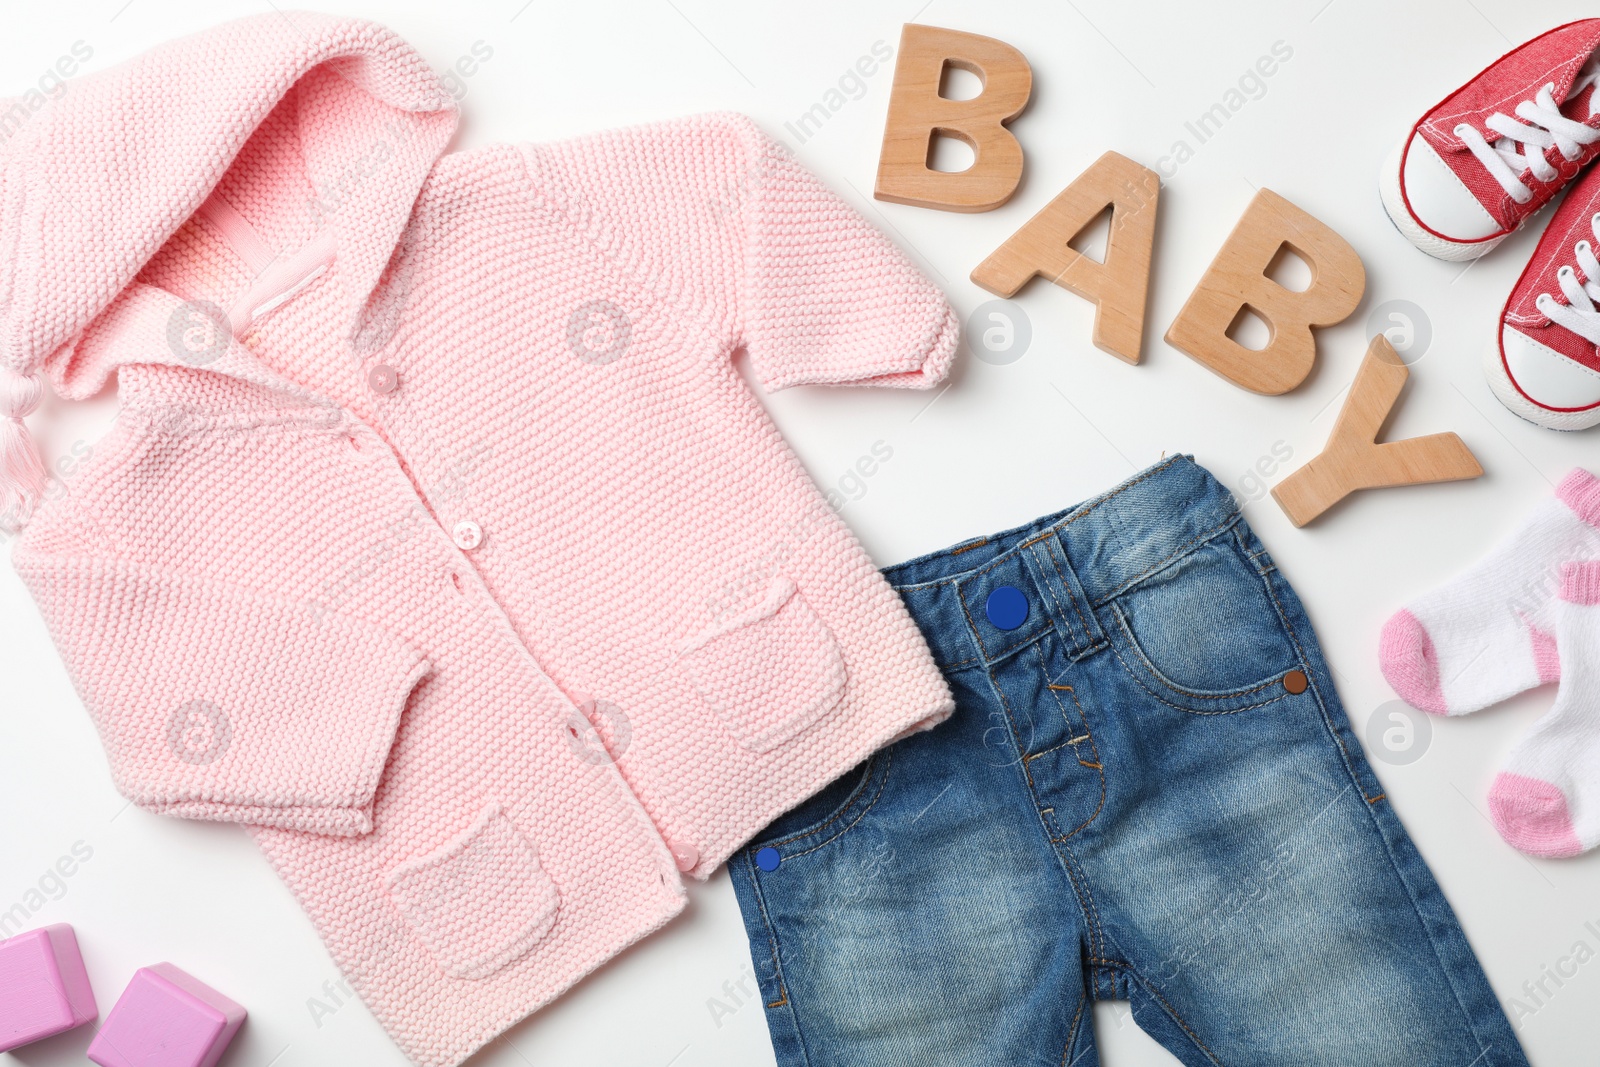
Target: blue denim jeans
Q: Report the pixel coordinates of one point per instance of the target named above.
(1148, 791)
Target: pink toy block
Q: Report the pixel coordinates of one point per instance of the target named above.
(44, 989)
(166, 1018)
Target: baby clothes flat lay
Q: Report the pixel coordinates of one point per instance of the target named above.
(1528, 614)
(439, 539)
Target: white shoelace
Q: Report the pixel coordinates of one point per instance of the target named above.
(1543, 126)
(1579, 313)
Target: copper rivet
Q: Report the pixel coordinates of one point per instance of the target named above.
(1295, 682)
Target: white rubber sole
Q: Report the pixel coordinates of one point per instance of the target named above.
(1394, 205)
(1504, 391)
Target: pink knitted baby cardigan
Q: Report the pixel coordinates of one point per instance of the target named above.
(439, 540)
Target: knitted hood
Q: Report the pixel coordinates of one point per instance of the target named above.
(97, 180)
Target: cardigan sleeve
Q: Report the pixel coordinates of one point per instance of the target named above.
(717, 215)
(221, 703)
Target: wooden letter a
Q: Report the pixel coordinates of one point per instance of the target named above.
(1117, 287)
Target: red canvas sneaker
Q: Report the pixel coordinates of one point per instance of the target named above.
(1495, 151)
(1546, 367)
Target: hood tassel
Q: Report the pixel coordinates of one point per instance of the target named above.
(22, 475)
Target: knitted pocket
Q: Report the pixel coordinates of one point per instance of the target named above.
(769, 673)
(481, 900)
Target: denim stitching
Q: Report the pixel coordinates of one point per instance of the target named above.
(1311, 679)
(1057, 748)
(1133, 972)
(1090, 505)
(1081, 891)
(1118, 491)
(1005, 706)
(1182, 550)
(1097, 935)
(1173, 1013)
(1122, 624)
(1083, 719)
(1198, 696)
(1355, 778)
(844, 805)
(1072, 1031)
(1056, 611)
(1254, 557)
(1383, 839)
(1148, 987)
(998, 654)
(772, 941)
(1088, 631)
(956, 664)
(887, 759)
(1179, 707)
(1031, 639)
(977, 635)
(1080, 512)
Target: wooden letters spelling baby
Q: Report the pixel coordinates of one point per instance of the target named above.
(1237, 279)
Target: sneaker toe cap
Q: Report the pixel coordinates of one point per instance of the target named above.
(1439, 201)
(1548, 378)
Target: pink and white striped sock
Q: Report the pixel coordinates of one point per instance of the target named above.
(1490, 633)
(1546, 802)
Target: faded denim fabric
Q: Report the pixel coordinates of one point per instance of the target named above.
(1149, 791)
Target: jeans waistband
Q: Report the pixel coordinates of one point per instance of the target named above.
(1064, 565)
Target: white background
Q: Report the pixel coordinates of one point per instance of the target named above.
(1003, 444)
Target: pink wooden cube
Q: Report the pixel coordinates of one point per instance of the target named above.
(44, 989)
(166, 1018)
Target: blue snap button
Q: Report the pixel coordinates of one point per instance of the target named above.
(1007, 607)
(768, 859)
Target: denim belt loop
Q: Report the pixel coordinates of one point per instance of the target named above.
(1070, 608)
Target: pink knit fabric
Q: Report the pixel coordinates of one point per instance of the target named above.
(1410, 663)
(1546, 655)
(1580, 490)
(1533, 816)
(422, 457)
(1580, 582)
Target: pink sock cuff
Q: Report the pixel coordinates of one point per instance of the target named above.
(1580, 491)
(1580, 582)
